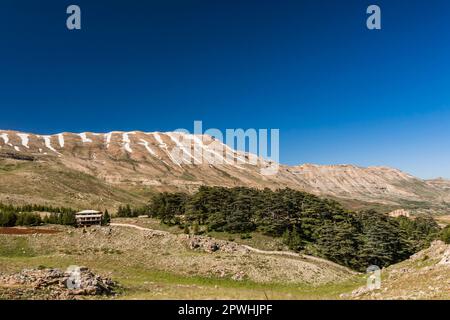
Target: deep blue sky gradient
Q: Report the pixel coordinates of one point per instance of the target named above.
(338, 92)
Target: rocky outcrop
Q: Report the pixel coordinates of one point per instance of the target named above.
(211, 245)
(55, 284)
(425, 275)
(445, 261)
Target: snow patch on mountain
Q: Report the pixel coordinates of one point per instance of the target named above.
(84, 138)
(48, 143)
(24, 138)
(61, 140)
(5, 138)
(147, 146)
(126, 142)
(177, 138)
(163, 147)
(108, 139)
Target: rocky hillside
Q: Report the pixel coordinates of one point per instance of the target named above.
(104, 170)
(426, 275)
(123, 248)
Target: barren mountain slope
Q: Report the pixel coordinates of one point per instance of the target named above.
(379, 184)
(92, 169)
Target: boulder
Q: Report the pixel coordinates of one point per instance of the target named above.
(445, 261)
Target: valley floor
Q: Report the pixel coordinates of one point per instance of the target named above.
(153, 261)
(143, 283)
(156, 264)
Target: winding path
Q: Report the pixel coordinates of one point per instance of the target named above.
(127, 225)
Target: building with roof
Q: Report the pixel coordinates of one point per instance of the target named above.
(89, 217)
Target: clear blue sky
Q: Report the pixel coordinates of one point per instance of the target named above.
(338, 92)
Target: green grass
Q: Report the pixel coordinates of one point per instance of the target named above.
(188, 177)
(194, 287)
(6, 166)
(66, 187)
(19, 247)
(141, 283)
(142, 279)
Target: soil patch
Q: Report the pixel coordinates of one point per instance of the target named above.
(19, 231)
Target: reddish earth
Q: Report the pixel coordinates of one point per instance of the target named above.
(26, 231)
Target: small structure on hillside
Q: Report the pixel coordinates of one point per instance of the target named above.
(400, 213)
(89, 217)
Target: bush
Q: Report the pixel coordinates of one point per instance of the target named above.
(8, 219)
(195, 229)
(11, 216)
(445, 235)
(28, 219)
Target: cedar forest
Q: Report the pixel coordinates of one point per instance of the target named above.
(305, 223)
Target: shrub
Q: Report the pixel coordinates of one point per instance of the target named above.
(445, 235)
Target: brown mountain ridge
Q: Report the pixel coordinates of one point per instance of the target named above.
(107, 169)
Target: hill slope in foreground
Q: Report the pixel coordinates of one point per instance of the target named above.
(105, 170)
(156, 264)
(425, 275)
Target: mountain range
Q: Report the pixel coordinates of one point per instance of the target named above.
(104, 170)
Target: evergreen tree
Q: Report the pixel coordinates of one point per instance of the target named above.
(196, 229)
(68, 219)
(445, 235)
(106, 219)
(337, 242)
